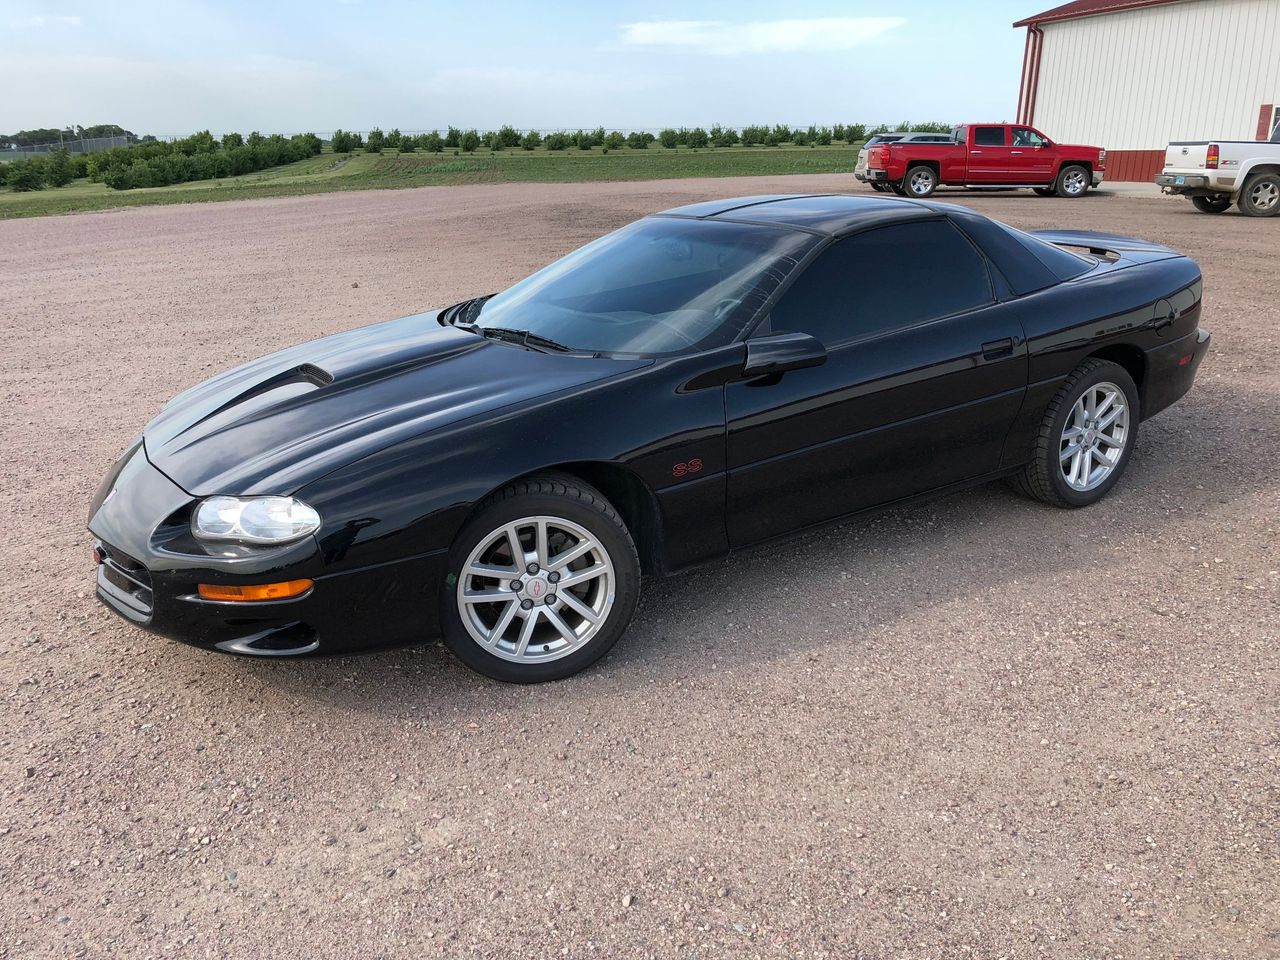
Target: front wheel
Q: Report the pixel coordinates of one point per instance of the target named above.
(1072, 182)
(1085, 440)
(1260, 196)
(1215, 204)
(543, 580)
(921, 182)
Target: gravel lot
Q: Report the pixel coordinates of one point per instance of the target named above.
(977, 728)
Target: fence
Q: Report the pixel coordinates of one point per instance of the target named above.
(87, 145)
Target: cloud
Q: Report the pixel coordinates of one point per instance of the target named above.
(761, 36)
(59, 20)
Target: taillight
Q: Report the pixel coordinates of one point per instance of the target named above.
(1102, 158)
(1211, 158)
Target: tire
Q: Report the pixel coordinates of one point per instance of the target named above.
(898, 189)
(1215, 204)
(1044, 191)
(1260, 196)
(879, 187)
(1048, 477)
(1073, 181)
(575, 516)
(920, 182)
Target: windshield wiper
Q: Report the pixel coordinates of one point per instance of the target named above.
(525, 338)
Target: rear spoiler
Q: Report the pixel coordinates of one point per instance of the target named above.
(1109, 245)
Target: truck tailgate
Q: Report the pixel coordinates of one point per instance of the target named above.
(1186, 156)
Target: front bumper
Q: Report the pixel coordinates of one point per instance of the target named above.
(1098, 176)
(148, 571)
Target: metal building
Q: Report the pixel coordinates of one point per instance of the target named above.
(1131, 75)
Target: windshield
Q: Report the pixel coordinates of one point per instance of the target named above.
(660, 285)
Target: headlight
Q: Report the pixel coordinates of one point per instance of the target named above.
(254, 519)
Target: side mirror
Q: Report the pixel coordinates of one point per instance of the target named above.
(780, 352)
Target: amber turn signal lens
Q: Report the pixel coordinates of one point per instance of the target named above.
(259, 591)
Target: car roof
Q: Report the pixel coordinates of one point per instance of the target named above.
(830, 214)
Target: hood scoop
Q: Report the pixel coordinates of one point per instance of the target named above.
(265, 394)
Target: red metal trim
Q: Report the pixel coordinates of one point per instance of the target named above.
(1089, 8)
(1034, 91)
(1022, 78)
(1265, 113)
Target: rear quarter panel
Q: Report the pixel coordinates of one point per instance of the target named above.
(1116, 308)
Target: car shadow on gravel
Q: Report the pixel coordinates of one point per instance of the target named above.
(841, 584)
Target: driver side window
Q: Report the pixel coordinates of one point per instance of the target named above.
(882, 280)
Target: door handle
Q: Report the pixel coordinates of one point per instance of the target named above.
(997, 349)
(1015, 153)
(974, 152)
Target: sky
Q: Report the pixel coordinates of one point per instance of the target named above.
(174, 67)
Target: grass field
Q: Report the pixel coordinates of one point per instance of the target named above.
(329, 172)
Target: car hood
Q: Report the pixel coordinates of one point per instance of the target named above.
(279, 422)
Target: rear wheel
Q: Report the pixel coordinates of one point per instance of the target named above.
(898, 188)
(1261, 195)
(1215, 204)
(543, 581)
(921, 182)
(1072, 182)
(1085, 440)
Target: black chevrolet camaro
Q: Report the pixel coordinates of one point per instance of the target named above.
(503, 471)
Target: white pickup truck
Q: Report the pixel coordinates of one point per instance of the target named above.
(1215, 173)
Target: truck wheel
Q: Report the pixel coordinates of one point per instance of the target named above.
(898, 188)
(879, 187)
(1073, 181)
(1260, 196)
(1043, 191)
(921, 182)
(1217, 204)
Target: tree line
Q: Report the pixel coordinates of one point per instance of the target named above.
(159, 163)
(154, 163)
(508, 137)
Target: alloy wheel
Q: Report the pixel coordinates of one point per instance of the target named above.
(1074, 182)
(536, 589)
(1095, 437)
(1264, 195)
(921, 184)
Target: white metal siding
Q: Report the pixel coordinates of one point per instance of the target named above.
(1136, 79)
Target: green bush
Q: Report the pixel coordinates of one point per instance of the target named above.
(639, 139)
(26, 174)
(375, 141)
(393, 139)
(557, 141)
(800, 138)
(469, 141)
(855, 133)
(781, 132)
(406, 145)
(230, 140)
(531, 140)
(57, 169)
(723, 136)
(697, 138)
(508, 136)
(452, 137)
(754, 136)
(430, 142)
(668, 138)
(615, 140)
(4, 172)
(340, 140)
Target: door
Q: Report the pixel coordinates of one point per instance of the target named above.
(989, 154)
(1031, 156)
(923, 378)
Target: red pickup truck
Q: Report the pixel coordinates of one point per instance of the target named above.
(988, 155)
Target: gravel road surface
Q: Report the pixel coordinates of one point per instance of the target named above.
(976, 728)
